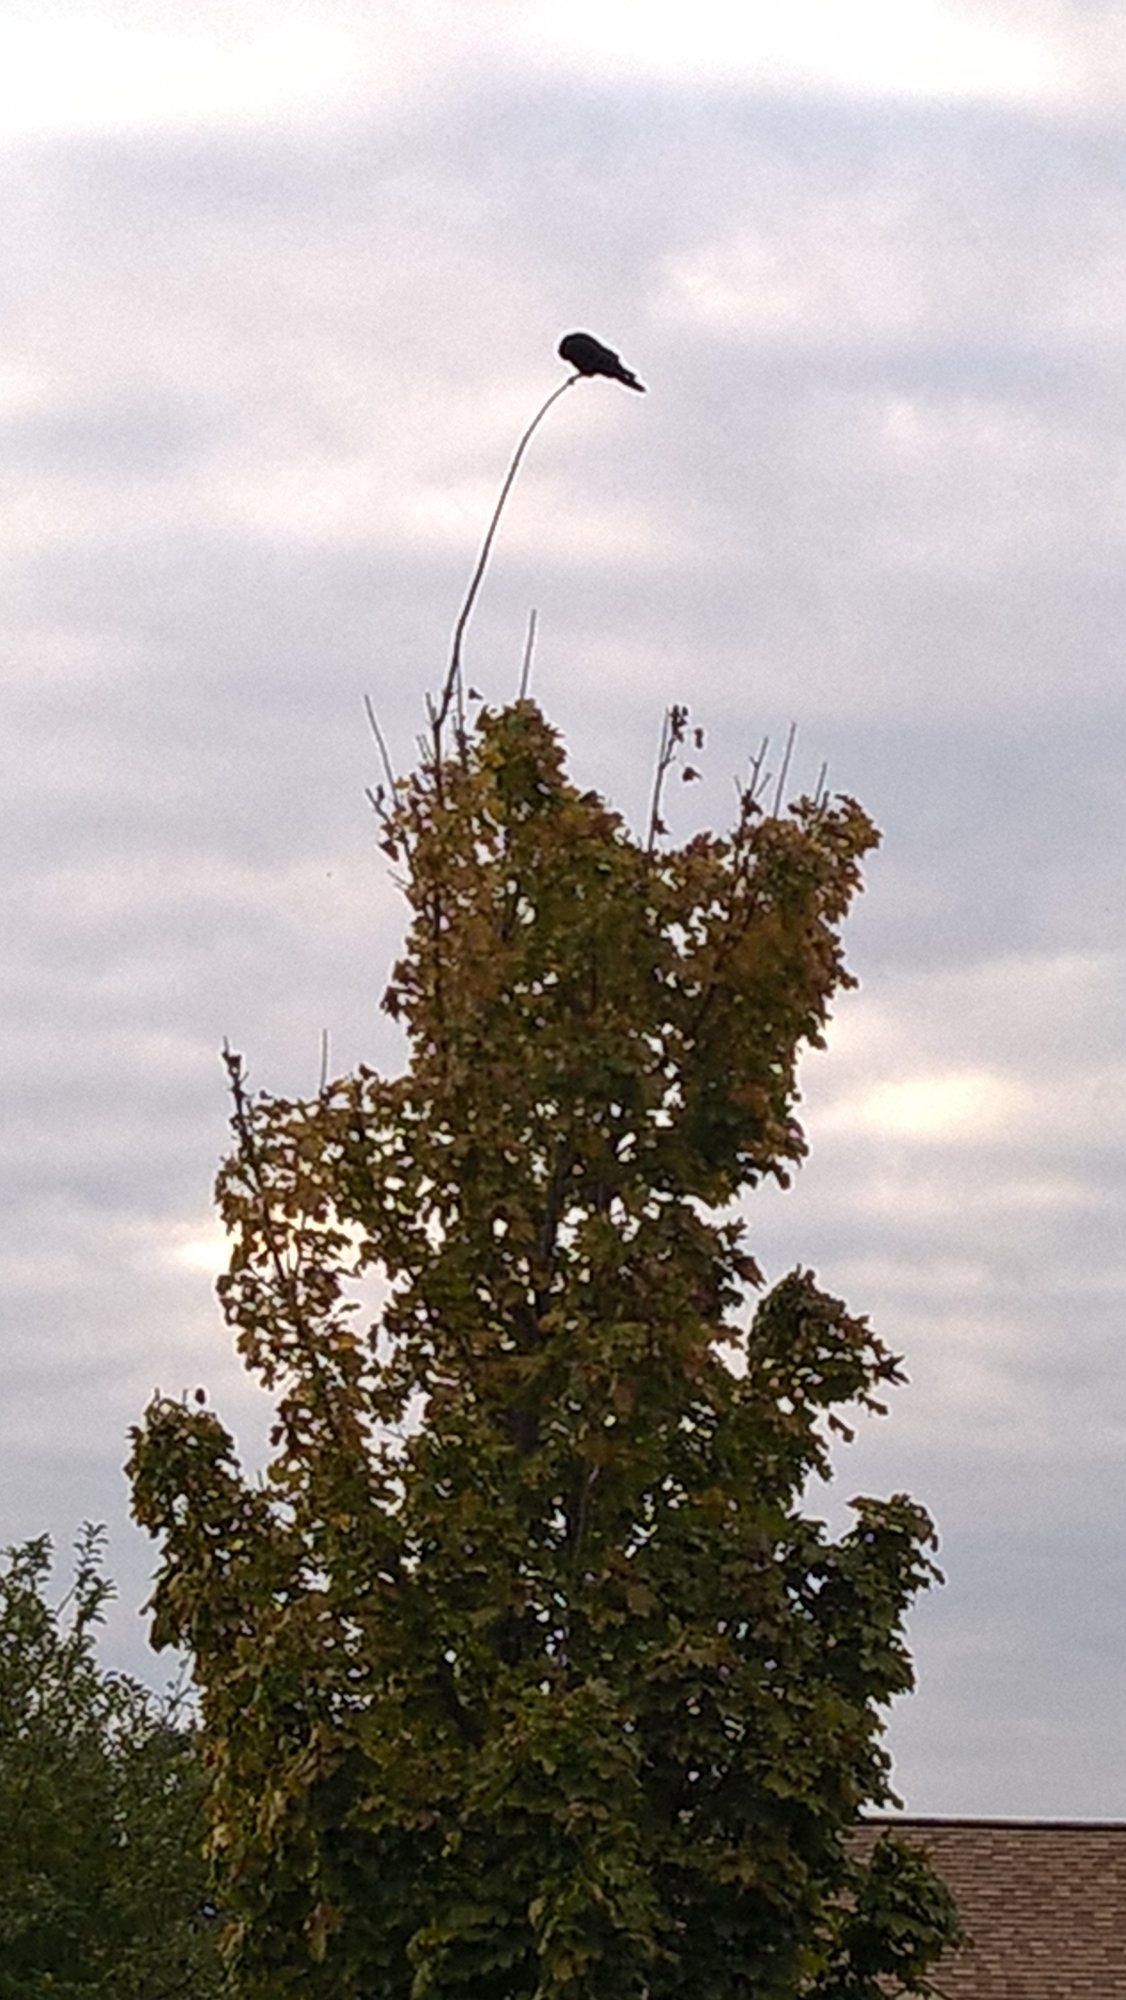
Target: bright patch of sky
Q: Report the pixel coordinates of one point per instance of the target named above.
(911, 48)
(933, 1107)
(65, 67)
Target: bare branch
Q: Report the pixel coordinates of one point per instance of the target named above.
(373, 724)
(529, 643)
(759, 778)
(787, 754)
(673, 725)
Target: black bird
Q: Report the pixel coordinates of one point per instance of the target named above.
(587, 356)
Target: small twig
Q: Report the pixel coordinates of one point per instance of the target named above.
(373, 724)
(324, 1063)
(526, 669)
(820, 795)
(663, 761)
(758, 779)
(452, 685)
(673, 725)
(788, 753)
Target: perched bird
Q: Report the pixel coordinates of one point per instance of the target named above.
(587, 356)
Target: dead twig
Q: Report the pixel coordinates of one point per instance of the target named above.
(786, 755)
(526, 669)
(674, 723)
(381, 740)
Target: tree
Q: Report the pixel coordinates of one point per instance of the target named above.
(103, 1888)
(524, 1674)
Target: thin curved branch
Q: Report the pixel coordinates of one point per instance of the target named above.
(452, 685)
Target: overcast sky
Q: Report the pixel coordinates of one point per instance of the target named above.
(281, 286)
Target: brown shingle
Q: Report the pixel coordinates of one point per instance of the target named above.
(1043, 1904)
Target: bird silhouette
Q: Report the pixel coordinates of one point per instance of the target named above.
(587, 356)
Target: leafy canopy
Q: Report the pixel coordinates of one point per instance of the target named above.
(102, 1882)
(524, 1674)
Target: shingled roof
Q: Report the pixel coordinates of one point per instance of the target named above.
(1042, 1902)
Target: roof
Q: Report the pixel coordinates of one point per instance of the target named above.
(1042, 1902)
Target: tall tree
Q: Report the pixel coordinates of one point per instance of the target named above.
(525, 1676)
(103, 1889)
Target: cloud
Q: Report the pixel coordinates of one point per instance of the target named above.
(111, 67)
(270, 335)
(877, 47)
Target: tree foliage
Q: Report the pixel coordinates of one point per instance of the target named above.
(524, 1674)
(102, 1880)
